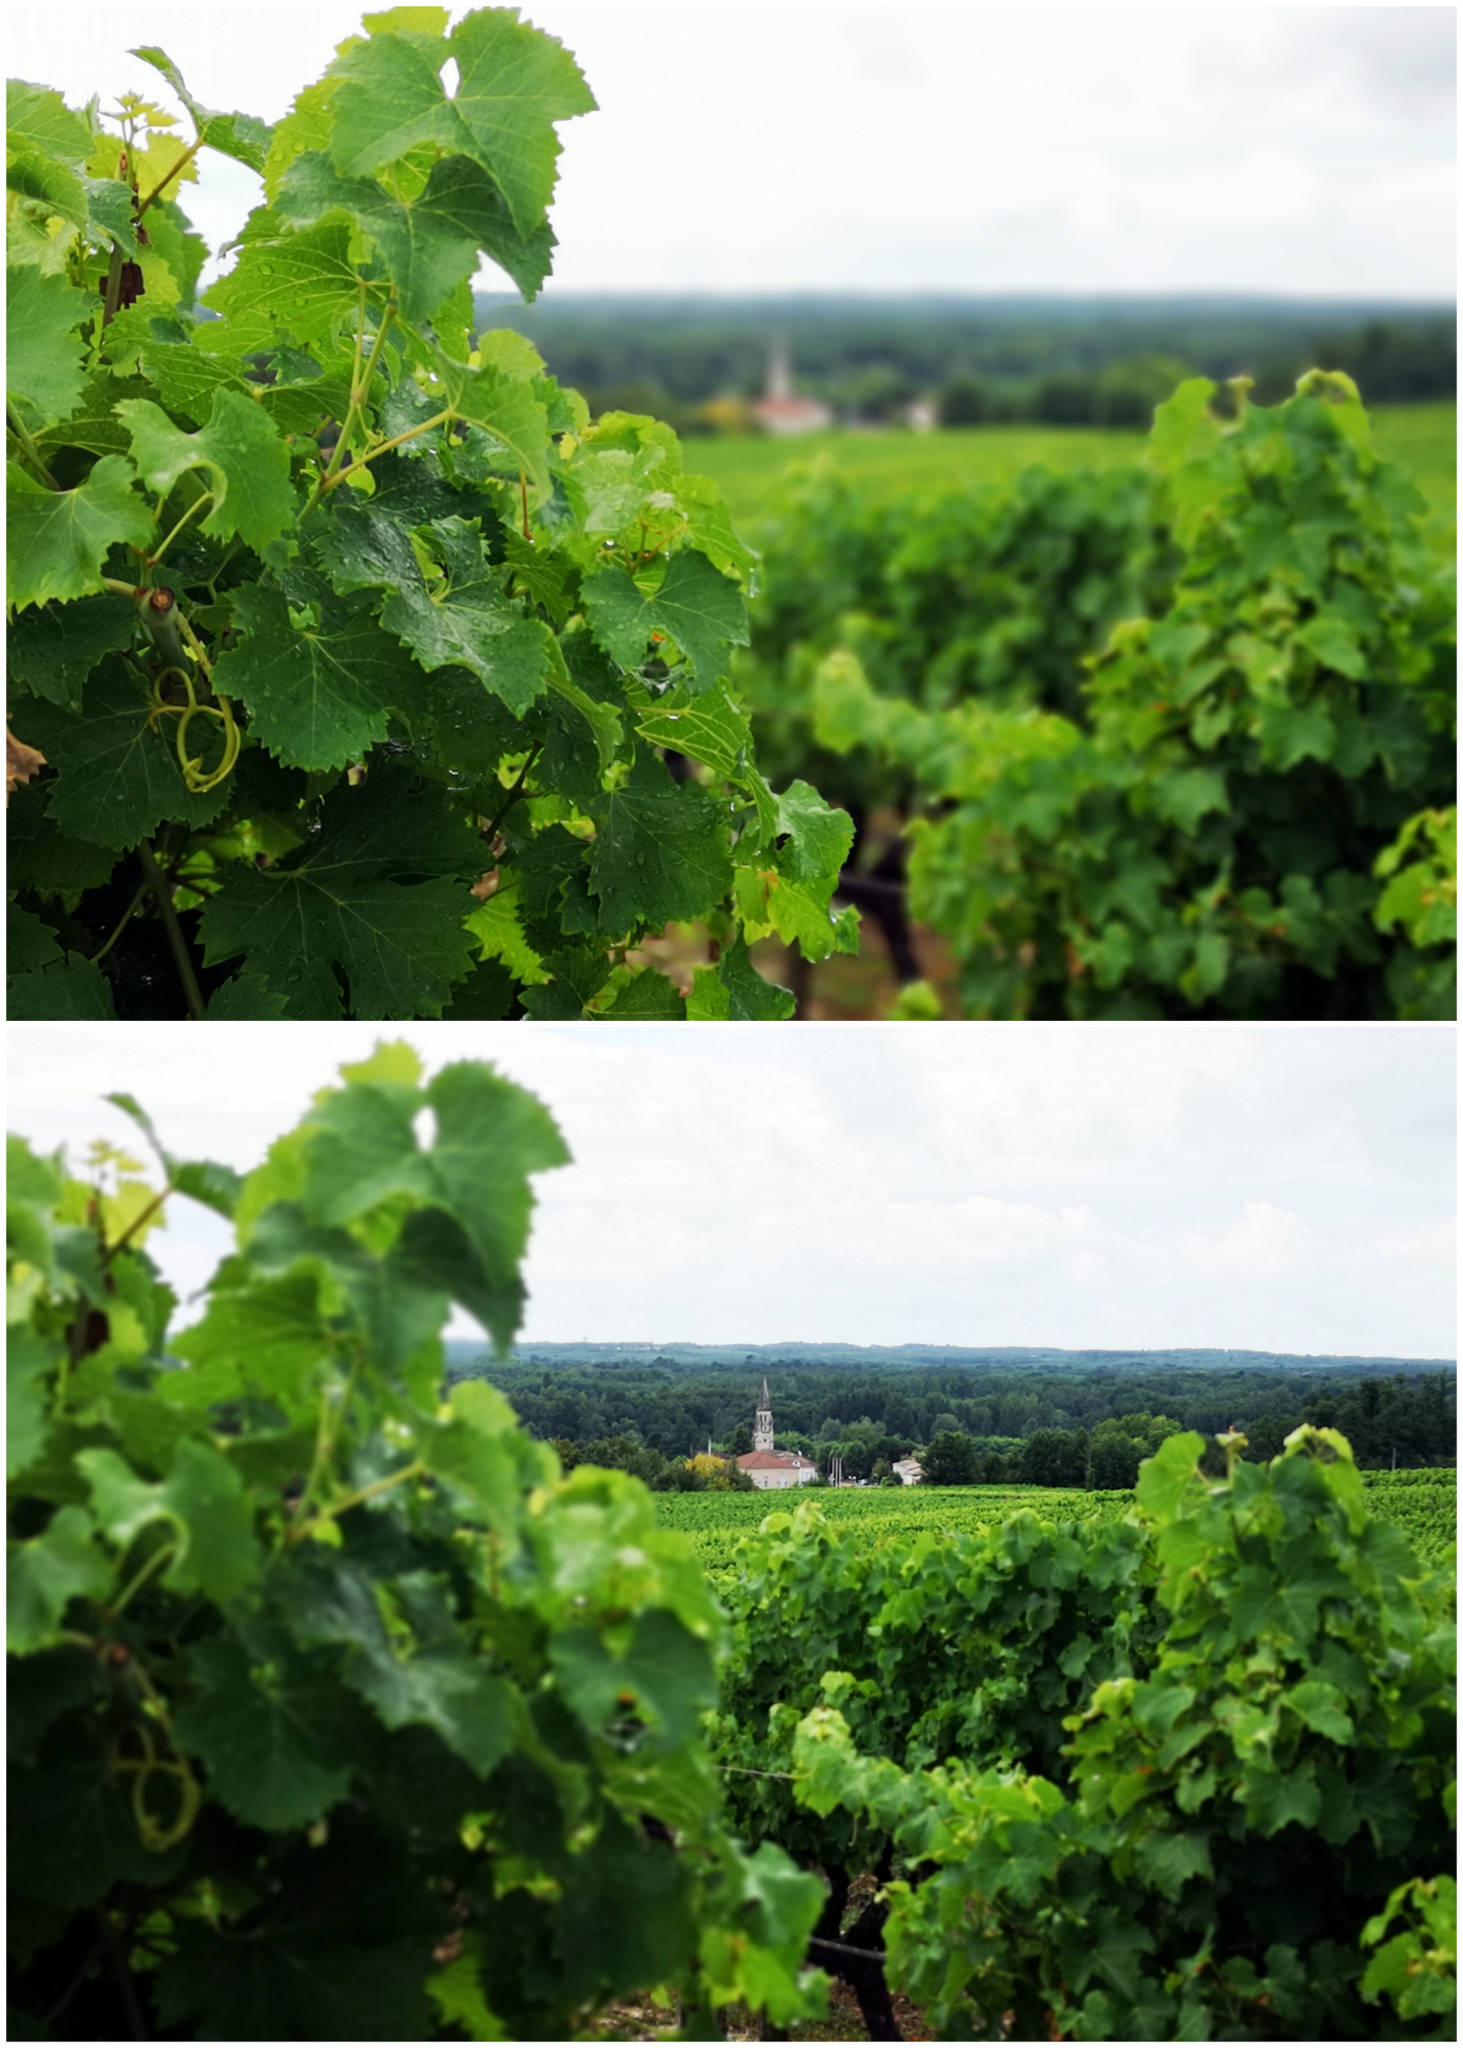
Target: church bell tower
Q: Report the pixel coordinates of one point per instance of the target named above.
(762, 1434)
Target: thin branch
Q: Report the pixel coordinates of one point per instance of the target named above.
(178, 945)
(168, 177)
(32, 454)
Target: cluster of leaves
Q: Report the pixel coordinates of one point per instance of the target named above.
(1212, 835)
(945, 1641)
(368, 676)
(996, 592)
(1233, 1824)
(336, 1712)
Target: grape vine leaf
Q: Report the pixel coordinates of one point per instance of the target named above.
(709, 728)
(345, 906)
(36, 115)
(56, 541)
(45, 1573)
(697, 607)
(469, 621)
(50, 650)
(70, 989)
(503, 406)
(242, 452)
(240, 136)
(304, 284)
(318, 691)
(118, 777)
(43, 350)
(514, 82)
(661, 850)
(266, 1738)
(733, 989)
(429, 244)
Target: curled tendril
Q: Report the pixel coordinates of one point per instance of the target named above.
(194, 776)
(154, 1834)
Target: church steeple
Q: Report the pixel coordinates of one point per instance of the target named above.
(762, 1434)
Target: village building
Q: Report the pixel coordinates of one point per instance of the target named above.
(780, 410)
(764, 1464)
(908, 1471)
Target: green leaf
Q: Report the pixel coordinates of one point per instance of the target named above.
(70, 990)
(372, 896)
(266, 1734)
(43, 351)
(709, 728)
(241, 450)
(734, 991)
(57, 541)
(504, 407)
(318, 693)
(816, 837)
(304, 285)
(36, 115)
(514, 82)
(1167, 1478)
(701, 610)
(50, 650)
(1334, 644)
(267, 1336)
(117, 776)
(236, 135)
(661, 851)
(29, 1359)
(429, 244)
(46, 1573)
(76, 1819)
(469, 621)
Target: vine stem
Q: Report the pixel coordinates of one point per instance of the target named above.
(178, 945)
(353, 1500)
(328, 483)
(119, 927)
(32, 454)
(206, 498)
(513, 795)
(168, 176)
(164, 1554)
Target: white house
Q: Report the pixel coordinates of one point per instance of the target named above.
(908, 1471)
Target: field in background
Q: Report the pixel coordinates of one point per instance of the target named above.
(1423, 438)
(1424, 1505)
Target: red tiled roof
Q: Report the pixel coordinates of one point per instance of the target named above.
(772, 1461)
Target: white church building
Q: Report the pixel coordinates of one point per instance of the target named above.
(764, 1464)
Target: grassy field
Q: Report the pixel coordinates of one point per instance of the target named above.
(1423, 438)
(1424, 1505)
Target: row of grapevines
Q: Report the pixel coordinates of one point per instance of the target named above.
(356, 672)
(335, 1712)
(1422, 1503)
(1187, 1774)
(1250, 815)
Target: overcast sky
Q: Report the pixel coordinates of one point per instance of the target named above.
(1304, 150)
(1268, 1188)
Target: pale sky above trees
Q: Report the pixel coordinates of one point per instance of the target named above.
(1297, 149)
(1271, 1187)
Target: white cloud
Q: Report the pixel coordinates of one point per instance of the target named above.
(1268, 1187)
(766, 146)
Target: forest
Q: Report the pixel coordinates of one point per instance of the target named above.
(1055, 359)
(999, 1417)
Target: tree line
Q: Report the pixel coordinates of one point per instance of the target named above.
(1081, 362)
(1081, 1427)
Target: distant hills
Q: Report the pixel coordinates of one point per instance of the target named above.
(714, 1359)
(864, 352)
